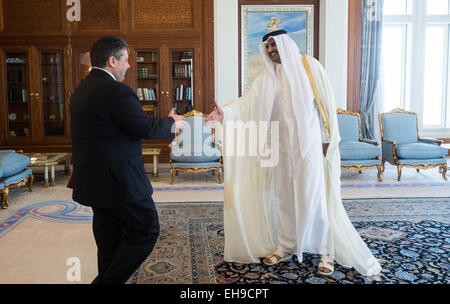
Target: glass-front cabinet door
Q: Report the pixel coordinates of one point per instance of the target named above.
(53, 94)
(84, 66)
(18, 95)
(182, 83)
(147, 69)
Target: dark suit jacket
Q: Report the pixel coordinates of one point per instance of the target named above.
(108, 123)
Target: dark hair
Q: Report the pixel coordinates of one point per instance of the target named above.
(106, 47)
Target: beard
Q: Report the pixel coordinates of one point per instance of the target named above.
(275, 57)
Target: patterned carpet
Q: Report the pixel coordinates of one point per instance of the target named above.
(410, 237)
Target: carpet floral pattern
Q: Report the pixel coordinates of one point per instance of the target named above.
(409, 252)
(410, 237)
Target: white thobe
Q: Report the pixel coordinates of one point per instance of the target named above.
(250, 204)
(299, 184)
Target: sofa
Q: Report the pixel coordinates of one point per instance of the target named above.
(13, 173)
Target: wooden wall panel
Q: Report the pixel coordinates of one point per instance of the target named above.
(155, 24)
(208, 47)
(3, 96)
(354, 55)
(26, 17)
(2, 21)
(98, 16)
(161, 14)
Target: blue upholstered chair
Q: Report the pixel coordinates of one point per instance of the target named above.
(356, 153)
(13, 173)
(403, 146)
(194, 150)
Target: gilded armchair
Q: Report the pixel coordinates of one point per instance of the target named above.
(13, 173)
(357, 153)
(194, 149)
(403, 146)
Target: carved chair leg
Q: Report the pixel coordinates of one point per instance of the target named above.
(399, 171)
(4, 197)
(219, 176)
(444, 171)
(172, 175)
(213, 172)
(418, 170)
(30, 182)
(380, 171)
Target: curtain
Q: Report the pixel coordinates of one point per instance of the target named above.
(371, 34)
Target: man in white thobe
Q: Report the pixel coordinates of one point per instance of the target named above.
(299, 183)
(295, 205)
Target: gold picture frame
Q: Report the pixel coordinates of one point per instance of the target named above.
(297, 20)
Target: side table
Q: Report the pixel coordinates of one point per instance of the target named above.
(155, 152)
(47, 160)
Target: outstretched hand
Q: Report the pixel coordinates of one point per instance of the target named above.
(180, 121)
(215, 116)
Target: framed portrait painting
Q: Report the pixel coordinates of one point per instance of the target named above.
(297, 20)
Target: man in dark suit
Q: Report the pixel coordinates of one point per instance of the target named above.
(108, 124)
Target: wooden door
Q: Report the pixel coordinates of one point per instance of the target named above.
(52, 81)
(17, 95)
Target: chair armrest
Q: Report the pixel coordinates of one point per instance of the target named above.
(174, 143)
(389, 141)
(389, 150)
(429, 140)
(219, 147)
(369, 141)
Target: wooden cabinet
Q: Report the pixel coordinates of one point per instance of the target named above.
(34, 102)
(164, 79)
(43, 57)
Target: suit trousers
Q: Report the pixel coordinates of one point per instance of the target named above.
(125, 236)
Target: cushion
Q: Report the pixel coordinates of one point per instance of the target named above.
(420, 151)
(190, 155)
(400, 127)
(348, 127)
(1, 172)
(356, 150)
(17, 177)
(353, 163)
(13, 163)
(2, 186)
(195, 131)
(416, 162)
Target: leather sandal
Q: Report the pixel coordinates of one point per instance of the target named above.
(327, 263)
(276, 257)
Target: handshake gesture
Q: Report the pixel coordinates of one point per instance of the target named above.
(215, 116)
(180, 121)
(212, 119)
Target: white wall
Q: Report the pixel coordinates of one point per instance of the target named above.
(332, 46)
(226, 31)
